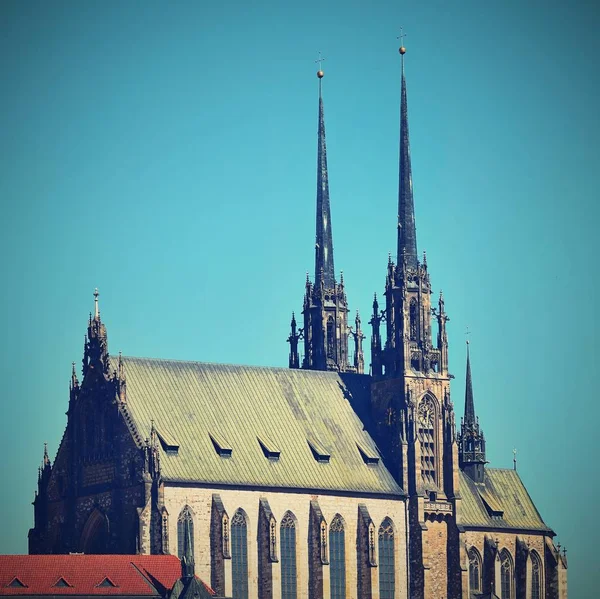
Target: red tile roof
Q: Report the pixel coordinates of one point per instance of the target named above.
(149, 575)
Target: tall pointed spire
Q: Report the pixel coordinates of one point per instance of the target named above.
(324, 240)
(471, 440)
(407, 234)
(325, 308)
(469, 405)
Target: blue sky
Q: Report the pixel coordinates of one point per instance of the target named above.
(165, 152)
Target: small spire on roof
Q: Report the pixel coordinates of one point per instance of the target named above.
(514, 458)
(46, 458)
(96, 308)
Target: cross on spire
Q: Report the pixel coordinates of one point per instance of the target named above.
(401, 36)
(320, 61)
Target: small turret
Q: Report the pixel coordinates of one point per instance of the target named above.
(471, 441)
(96, 355)
(293, 341)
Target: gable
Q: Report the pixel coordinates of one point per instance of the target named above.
(256, 427)
(502, 502)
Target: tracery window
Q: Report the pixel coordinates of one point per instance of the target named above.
(506, 575)
(330, 338)
(184, 515)
(337, 558)
(426, 436)
(387, 578)
(413, 319)
(239, 554)
(287, 544)
(474, 569)
(536, 576)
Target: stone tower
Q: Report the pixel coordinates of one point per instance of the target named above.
(411, 406)
(326, 331)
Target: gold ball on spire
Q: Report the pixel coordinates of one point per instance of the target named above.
(320, 74)
(402, 50)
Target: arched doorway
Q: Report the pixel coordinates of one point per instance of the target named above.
(94, 538)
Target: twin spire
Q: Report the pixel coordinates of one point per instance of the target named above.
(326, 331)
(324, 240)
(407, 234)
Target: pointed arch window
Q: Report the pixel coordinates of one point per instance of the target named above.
(186, 515)
(506, 575)
(474, 570)
(536, 576)
(387, 577)
(337, 558)
(330, 338)
(413, 319)
(287, 544)
(426, 436)
(239, 554)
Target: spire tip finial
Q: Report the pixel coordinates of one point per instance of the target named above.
(320, 73)
(401, 37)
(96, 309)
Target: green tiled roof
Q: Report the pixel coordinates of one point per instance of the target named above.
(504, 492)
(205, 412)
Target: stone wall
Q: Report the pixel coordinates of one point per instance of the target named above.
(201, 502)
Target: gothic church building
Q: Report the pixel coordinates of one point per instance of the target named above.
(314, 481)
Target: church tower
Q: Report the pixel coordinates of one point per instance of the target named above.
(326, 331)
(471, 442)
(411, 406)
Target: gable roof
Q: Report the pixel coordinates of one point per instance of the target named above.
(149, 575)
(504, 493)
(211, 418)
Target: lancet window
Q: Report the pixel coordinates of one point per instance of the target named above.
(474, 569)
(330, 338)
(387, 577)
(287, 544)
(536, 576)
(239, 554)
(412, 314)
(506, 575)
(337, 558)
(426, 436)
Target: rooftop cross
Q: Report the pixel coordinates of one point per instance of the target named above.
(401, 37)
(320, 61)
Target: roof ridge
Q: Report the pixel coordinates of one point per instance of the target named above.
(251, 366)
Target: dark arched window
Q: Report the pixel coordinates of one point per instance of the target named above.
(536, 576)
(337, 558)
(474, 569)
(387, 578)
(426, 434)
(184, 515)
(413, 320)
(506, 575)
(287, 544)
(330, 338)
(239, 555)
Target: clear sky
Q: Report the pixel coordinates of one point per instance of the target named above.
(165, 152)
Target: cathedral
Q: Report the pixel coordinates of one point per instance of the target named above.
(317, 481)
